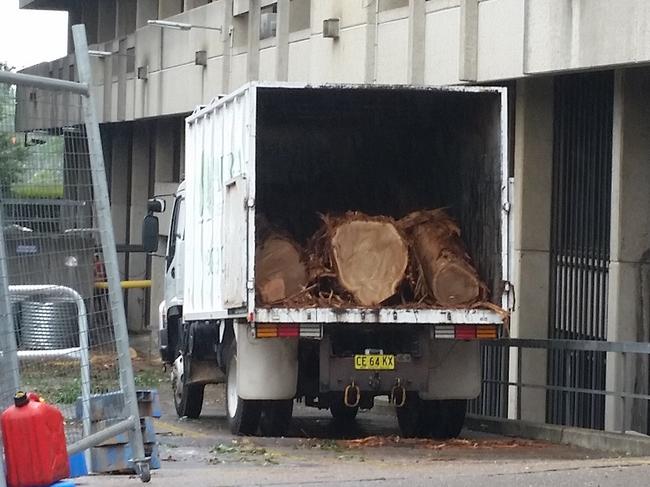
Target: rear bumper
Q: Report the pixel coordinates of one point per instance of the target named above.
(443, 369)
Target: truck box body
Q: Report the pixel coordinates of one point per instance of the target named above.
(292, 151)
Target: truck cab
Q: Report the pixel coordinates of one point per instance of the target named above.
(188, 348)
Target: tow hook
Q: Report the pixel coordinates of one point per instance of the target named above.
(356, 395)
(398, 394)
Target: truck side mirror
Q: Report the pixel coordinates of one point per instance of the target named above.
(150, 233)
(156, 205)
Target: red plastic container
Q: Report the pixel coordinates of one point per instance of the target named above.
(34, 441)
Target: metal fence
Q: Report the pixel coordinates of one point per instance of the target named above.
(62, 335)
(629, 401)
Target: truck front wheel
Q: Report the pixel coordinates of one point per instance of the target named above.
(243, 414)
(188, 398)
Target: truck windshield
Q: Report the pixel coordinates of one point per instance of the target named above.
(177, 228)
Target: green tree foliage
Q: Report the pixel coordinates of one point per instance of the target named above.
(12, 151)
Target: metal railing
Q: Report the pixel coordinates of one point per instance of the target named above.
(512, 386)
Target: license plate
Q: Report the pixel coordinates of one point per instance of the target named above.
(374, 362)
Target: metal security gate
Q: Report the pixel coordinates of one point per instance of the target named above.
(582, 163)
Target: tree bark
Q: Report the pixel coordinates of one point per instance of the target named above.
(279, 268)
(451, 279)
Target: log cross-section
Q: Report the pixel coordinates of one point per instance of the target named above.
(369, 255)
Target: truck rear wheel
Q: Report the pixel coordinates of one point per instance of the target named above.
(188, 398)
(243, 414)
(413, 417)
(276, 417)
(431, 419)
(449, 418)
(342, 413)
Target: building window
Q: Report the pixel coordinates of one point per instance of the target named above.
(269, 21)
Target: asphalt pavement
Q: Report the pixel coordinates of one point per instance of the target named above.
(319, 452)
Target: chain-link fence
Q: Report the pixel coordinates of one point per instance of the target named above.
(62, 326)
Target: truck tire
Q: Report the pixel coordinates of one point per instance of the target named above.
(414, 418)
(276, 417)
(188, 398)
(342, 413)
(243, 415)
(449, 418)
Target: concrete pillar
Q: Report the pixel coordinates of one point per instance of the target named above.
(282, 49)
(126, 16)
(140, 176)
(89, 17)
(468, 55)
(417, 24)
(253, 58)
(629, 270)
(164, 183)
(122, 61)
(120, 183)
(167, 8)
(146, 10)
(532, 221)
(371, 42)
(227, 46)
(107, 21)
(108, 84)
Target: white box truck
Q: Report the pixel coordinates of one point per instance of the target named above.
(290, 152)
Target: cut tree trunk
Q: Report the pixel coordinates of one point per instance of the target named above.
(369, 256)
(444, 264)
(280, 272)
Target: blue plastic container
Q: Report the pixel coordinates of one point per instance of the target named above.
(78, 467)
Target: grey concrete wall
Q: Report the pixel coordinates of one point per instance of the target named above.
(629, 271)
(106, 21)
(430, 42)
(146, 10)
(532, 218)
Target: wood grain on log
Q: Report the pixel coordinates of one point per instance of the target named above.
(443, 262)
(279, 268)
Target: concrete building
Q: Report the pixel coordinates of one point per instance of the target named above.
(580, 138)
